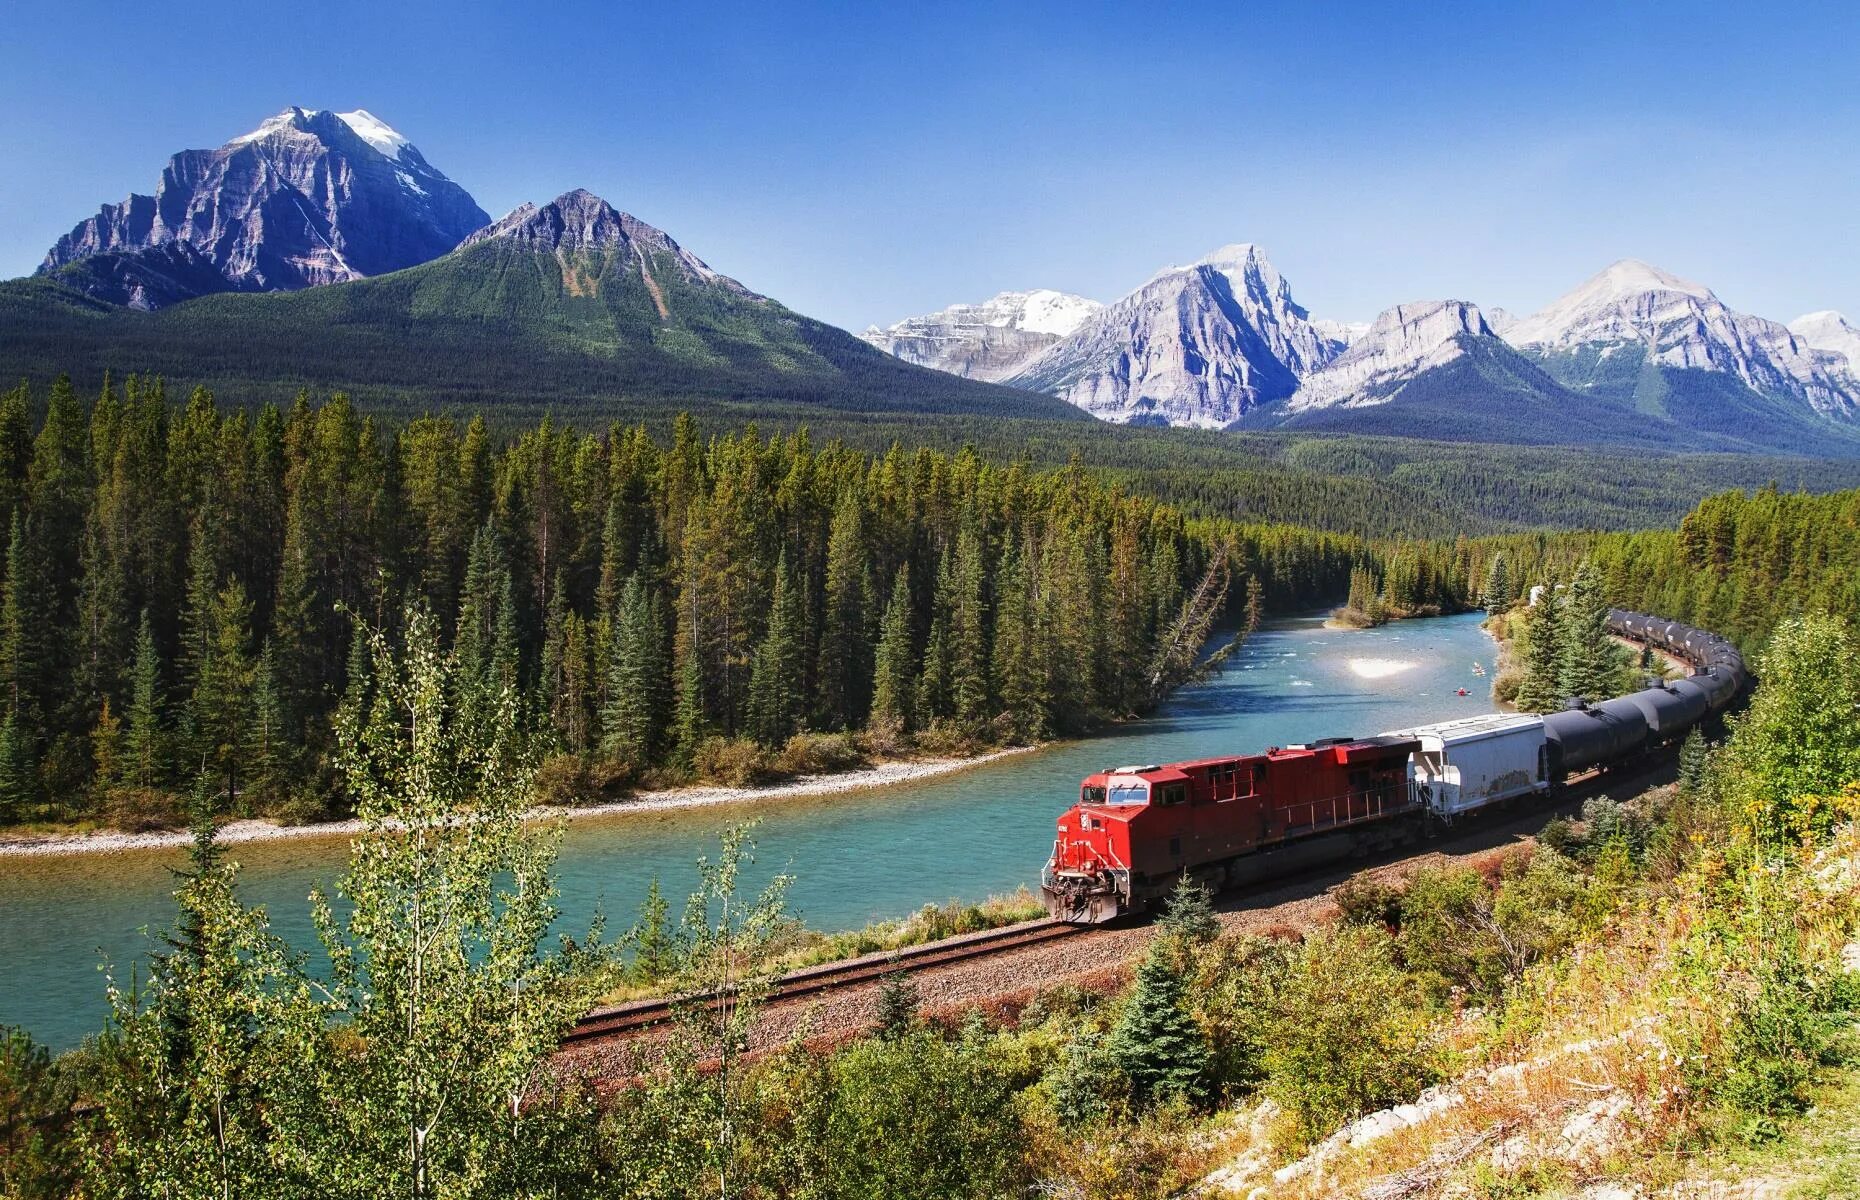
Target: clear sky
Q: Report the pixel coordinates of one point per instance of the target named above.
(863, 163)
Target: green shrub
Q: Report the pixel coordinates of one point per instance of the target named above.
(141, 810)
(561, 781)
(819, 753)
(1366, 900)
(37, 1156)
(920, 1117)
(1347, 1031)
(733, 762)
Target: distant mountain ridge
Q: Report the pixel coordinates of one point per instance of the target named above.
(405, 283)
(310, 197)
(1221, 343)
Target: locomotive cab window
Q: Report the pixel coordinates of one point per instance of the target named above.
(1091, 795)
(1173, 793)
(1129, 791)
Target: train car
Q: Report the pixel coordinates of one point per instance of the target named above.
(1136, 829)
(1466, 765)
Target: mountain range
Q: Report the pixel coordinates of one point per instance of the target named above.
(322, 249)
(1634, 355)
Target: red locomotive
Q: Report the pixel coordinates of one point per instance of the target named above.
(1222, 821)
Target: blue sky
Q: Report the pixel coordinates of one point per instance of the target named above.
(865, 163)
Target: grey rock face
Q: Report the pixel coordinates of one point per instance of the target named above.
(310, 197)
(1682, 326)
(1403, 342)
(1199, 345)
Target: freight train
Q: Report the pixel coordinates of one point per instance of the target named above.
(1229, 821)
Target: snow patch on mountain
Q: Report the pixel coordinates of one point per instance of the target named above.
(1403, 342)
(1343, 333)
(375, 132)
(988, 341)
(1832, 333)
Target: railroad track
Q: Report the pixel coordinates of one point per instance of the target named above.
(638, 1015)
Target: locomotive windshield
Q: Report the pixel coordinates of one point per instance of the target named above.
(1128, 791)
(1091, 795)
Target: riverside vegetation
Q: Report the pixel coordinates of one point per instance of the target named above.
(181, 584)
(1675, 972)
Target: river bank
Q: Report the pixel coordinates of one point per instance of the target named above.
(878, 775)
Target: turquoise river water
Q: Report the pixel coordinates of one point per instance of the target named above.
(855, 857)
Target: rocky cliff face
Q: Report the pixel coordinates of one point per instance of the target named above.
(1402, 343)
(1199, 345)
(309, 197)
(990, 341)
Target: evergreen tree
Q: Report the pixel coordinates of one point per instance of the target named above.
(896, 1011)
(968, 629)
(144, 745)
(639, 687)
(655, 950)
(106, 748)
(182, 1064)
(843, 670)
(891, 682)
(1255, 606)
(27, 613)
(272, 745)
(690, 726)
(774, 701)
(19, 777)
(220, 708)
(1156, 1044)
(1589, 661)
(1497, 597)
(935, 697)
(1021, 667)
(1541, 688)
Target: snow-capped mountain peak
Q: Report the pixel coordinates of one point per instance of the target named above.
(1832, 333)
(1631, 276)
(1199, 345)
(309, 197)
(1046, 311)
(1676, 325)
(1624, 301)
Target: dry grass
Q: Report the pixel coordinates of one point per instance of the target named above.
(1597, 1069)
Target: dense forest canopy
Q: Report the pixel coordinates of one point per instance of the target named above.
(181, 585)
(1739, 564)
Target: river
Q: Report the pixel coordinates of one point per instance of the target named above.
(855, 857)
